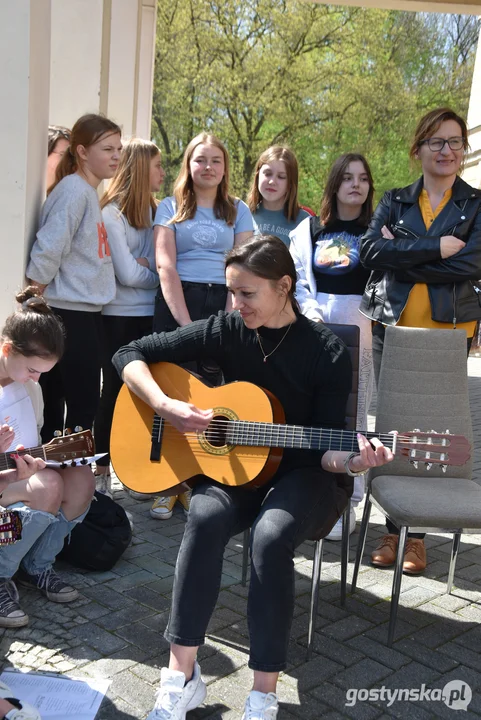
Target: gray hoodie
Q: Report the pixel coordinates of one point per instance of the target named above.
(71, 254)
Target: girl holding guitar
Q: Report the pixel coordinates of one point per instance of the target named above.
(265, 341)
(50, 502)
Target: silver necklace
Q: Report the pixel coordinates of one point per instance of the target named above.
(278, 344)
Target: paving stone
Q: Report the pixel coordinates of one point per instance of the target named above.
(363, 674)
(347, 628)
(142, 636)
(342, 653)
(149, 598)
(314, 672)
(434, 659)
(376, 651)
(99, 639)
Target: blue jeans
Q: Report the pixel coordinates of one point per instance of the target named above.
(282, 514)
(43, 535)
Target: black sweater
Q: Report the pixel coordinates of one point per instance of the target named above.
(310, 372)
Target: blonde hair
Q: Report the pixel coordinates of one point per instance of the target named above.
(88, 130)
(184, 192)
(130, 186)
(280, 154)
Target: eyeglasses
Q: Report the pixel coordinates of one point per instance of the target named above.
(437, 144)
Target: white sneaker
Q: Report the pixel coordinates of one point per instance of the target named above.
(103, 484)
(336, 532)
(175, 697)
(163, 507)
(260, 706)
(23, 712)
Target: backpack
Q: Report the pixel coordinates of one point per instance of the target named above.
(101, 538)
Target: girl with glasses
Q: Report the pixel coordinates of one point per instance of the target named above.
(423, 247)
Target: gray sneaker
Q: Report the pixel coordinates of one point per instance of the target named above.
(49, 583)
(11, 614)
(175, 697)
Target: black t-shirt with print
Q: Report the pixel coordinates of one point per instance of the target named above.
(335, 257)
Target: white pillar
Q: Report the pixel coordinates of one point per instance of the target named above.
(472, 170)
(103, 61)
(24, 89)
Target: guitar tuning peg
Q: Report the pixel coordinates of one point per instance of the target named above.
(78, 428)
(73, 463)
(84, 461)
(63, 466)
(446, 432)
(414, 463)
(67, 431)
(444, 468)
(416, 430)
(57, 433)
(428, 465)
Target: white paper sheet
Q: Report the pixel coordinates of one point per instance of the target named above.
(57, 697)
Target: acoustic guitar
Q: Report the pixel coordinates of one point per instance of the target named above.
(78, 448)
(244, 442)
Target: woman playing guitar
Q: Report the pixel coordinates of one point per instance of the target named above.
(50, 502)
(265, 341)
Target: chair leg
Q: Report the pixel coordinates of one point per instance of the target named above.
(452, 564)
(316, 574)
(245, 556)
(346, 518)
(396, 584)
(362, 539)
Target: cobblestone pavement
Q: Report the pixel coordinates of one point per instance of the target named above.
(115, 629)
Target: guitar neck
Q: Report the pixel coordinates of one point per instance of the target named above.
(8, 463)
(296, 436)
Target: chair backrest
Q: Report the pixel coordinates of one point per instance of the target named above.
(423, 384)
(350, 335)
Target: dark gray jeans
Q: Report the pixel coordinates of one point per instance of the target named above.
(282, 515)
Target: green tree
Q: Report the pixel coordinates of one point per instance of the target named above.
(324, 79)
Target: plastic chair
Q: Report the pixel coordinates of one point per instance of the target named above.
(423, 385)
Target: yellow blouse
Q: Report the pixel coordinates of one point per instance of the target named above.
(417, 312)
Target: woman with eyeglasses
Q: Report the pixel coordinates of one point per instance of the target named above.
(423, 247)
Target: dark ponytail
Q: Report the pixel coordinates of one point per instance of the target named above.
(34, 329)
(267, 257)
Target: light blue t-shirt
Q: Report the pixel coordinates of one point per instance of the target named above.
(203, 241)
(274, 222)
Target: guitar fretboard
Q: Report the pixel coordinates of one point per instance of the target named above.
(8, 463)
(291, 436)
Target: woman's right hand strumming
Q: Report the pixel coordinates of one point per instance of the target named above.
(186, 417)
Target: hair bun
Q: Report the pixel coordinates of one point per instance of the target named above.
(31, 299)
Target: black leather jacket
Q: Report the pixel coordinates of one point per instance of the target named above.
(414, 256)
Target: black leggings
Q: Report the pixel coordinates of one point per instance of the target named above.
(282, 516)
(378, 333)
(118, 331)
(75, 380)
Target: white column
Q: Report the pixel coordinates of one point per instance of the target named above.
(103, 61)
(472, 170)
(24, 89)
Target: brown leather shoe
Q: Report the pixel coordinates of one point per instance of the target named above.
(385, 553)
(414, 557)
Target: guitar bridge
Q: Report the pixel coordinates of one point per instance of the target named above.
(157, 431)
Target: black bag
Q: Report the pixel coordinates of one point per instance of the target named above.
(100, 540)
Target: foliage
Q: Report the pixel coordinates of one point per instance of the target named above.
(324, 79)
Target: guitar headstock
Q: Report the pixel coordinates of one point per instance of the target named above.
(70, 447)
(433, 448)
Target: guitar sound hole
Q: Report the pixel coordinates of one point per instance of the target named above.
(217, 431)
